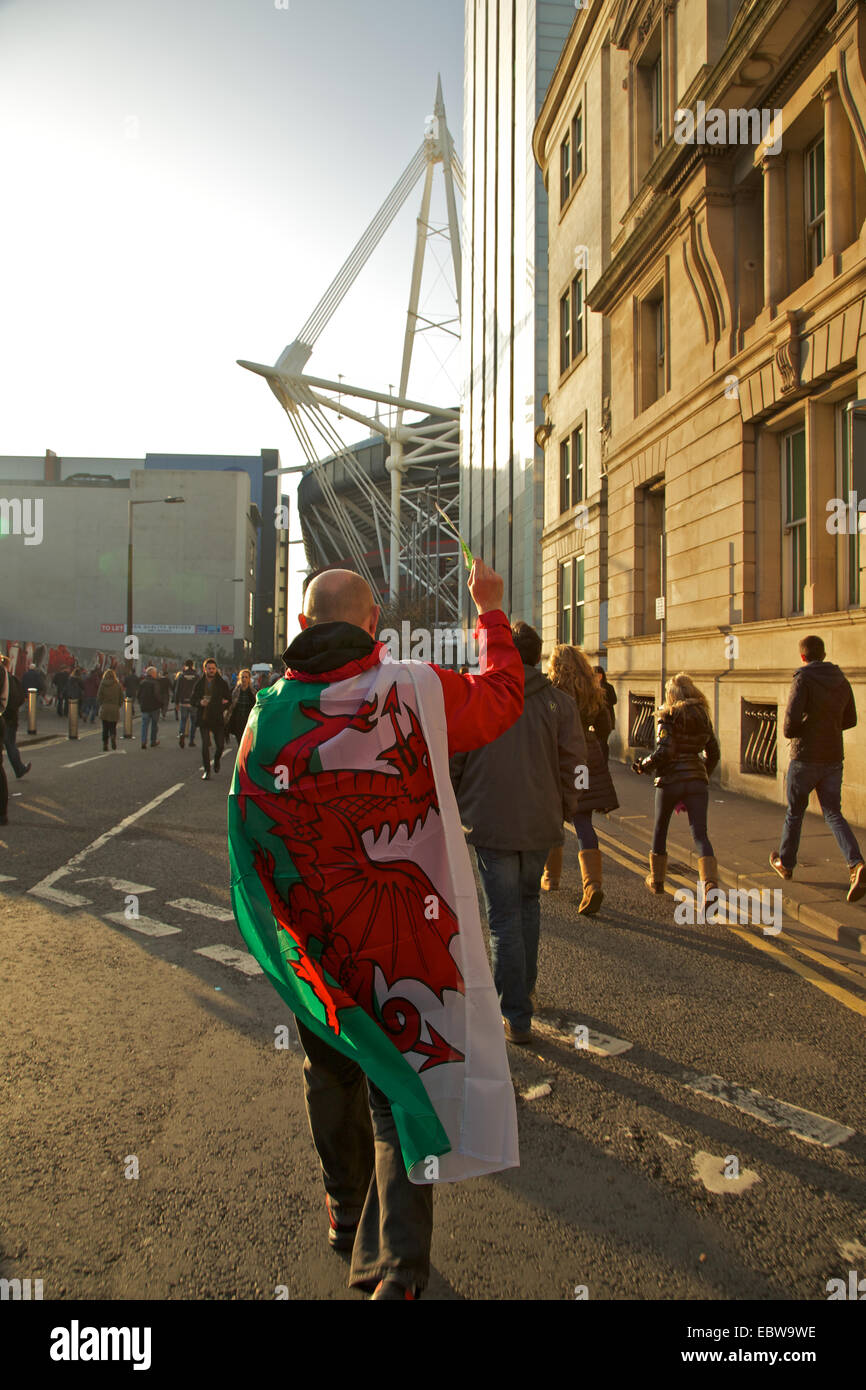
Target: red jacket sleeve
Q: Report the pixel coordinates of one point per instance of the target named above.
(479, 708)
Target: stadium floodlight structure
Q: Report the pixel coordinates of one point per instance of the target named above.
(431, 559)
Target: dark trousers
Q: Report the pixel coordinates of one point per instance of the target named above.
(4, 786)
(12, 748)
(826, 780)
(109, 731)
(219, 738)
(695, 796)
(363, 1169)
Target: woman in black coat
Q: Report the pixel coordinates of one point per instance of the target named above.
(684, 758)
(570, 670)
(243, 700)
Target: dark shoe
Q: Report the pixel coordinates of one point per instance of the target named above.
(181, 740)
(24, 771)
(154, 743)
(517, 1035)
(114, 743)
(216, 763)
(205, 777)
(858, 883)
(776, 863)
(341, 1236)
(394, 1290)
(144, 745)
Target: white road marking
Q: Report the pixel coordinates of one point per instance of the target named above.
(120, 885)
(586, 1041)
(148, 926)
(803, 1124)
(114, 753)
(227, 955)
(45, 887)
(7, 878)
(709, 1169)
(217, 914)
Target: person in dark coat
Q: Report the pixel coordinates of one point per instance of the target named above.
(184, 685)
(684, 759)
(211, 697)
(60, 682)
(820, 706)
(15, 698)
(150, 703)
(609, 692)
(570, 671)
(243, 700)
(91, 694)
(131, 682)
(74, 689)
(513, 795)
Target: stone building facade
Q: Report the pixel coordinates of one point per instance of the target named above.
(709, 351)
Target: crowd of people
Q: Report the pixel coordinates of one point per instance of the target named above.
(212, 703)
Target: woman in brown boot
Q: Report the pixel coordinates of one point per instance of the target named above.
(570, 670)
(684, 758)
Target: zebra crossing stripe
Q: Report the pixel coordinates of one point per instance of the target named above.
(216, 914)
(147, 926)
(228, 955)
(803, 1124)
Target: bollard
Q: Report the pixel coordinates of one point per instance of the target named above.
(31, 711)
(73, 719)
(127, 718)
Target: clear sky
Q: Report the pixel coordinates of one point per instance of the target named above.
(181, 180)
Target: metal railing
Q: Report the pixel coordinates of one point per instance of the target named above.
(758, 731)
(641, 721)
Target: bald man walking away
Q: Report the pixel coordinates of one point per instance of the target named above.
(352, 886)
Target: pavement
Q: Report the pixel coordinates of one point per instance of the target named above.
(743, 831)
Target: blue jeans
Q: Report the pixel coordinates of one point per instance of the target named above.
(512, 883)
(585, 831)
(188, 715)
(149, 719)
(826, 780)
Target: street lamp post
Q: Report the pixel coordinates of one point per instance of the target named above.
(140, 502)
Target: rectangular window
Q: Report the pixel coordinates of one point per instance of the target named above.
(795, 517)
(815, 205)
(577, 142)
(565, 170)
(565, 330)
(571, 602)
(565, 475)
(578, 489)
(651, 366)
(571, 470)
(577, 312)
(850, 538)
(656, 107)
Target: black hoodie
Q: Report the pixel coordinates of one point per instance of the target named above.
(326, 647)
(820, 706)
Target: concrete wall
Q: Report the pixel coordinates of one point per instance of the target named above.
(66, 587)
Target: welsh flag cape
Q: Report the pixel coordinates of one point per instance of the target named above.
(353, 889)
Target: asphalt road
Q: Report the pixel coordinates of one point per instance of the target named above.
(129, 1052)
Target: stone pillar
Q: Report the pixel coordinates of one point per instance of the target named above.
(820, 593)
(775, 263)
(837, 171)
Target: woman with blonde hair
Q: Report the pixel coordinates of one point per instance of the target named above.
(684, 758)
(109, 698)
(243, 700)
(570, 670)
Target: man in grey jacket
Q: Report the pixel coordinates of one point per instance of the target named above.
(513, 795)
